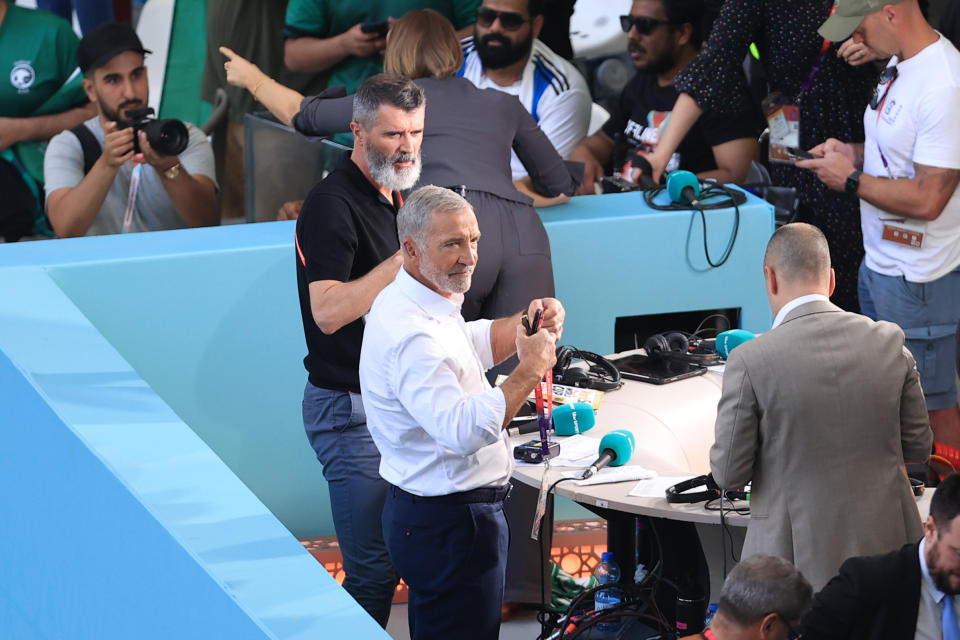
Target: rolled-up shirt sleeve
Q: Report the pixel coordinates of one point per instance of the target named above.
(427, 385)
(479, 332)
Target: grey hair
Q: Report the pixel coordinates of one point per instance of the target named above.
(385, 88)
(762, 585)
(799, 253)
(414, 217)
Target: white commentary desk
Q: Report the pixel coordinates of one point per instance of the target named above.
(674, 428)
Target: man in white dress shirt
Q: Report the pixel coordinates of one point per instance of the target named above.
(439, 425)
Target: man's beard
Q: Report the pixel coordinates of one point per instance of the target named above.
(940, 577)
(384, 172)
(502, 56)
(661, 63)
(445, 281)
(115, 116)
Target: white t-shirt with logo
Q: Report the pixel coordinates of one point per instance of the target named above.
(918, 122)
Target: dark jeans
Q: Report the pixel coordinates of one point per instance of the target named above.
(453, 557)
(337, 428)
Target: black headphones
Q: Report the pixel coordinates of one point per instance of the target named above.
(666, 344)
(601, 375)
(676, 493)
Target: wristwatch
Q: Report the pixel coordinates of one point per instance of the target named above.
(853, 182)
(172, 172)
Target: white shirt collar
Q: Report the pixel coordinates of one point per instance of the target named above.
(937, 594)
(426, 298)
(793, 304)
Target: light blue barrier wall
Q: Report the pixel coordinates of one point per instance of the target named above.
(120, 520)
(615, 257)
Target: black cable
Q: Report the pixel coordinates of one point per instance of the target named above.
(734, 198)
(724, 530)
(545, 617)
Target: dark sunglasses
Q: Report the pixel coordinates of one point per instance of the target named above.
(644, 25)
(509, 20)
(886, 79)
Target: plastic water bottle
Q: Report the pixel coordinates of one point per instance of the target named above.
(711, 611)
(607, 572)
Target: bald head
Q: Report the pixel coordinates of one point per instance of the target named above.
(799, 254)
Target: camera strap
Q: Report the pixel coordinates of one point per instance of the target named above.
(132, 196)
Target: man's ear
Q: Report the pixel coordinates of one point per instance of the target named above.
(770, 277)
(683, 34)
(409, 247)
(537, 25)
(356, 129)
(88, 89)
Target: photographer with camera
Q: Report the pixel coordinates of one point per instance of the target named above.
(124, 171)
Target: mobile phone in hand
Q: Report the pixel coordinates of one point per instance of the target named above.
(800, 154)
(535, 324)
(379, 28)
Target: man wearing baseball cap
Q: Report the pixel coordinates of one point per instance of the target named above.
(97, 182)
(906, 173)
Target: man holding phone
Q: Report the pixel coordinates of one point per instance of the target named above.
(347, 38)
(905, 174)
(439, 426)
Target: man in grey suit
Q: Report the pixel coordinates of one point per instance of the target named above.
(820, 414)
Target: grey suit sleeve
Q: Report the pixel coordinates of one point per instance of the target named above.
(916, 438)
(322, 115)
(551, 175)
(733, 453)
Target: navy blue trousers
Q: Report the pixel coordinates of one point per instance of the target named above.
(454, 559)
(336, 425)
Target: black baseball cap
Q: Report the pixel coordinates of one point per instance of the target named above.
(102, 43)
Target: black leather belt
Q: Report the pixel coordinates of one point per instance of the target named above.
(483, 494)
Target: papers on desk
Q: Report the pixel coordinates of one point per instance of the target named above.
(576, 451)
(655, 487)
(611, 474)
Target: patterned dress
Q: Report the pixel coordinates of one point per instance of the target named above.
(785, 32)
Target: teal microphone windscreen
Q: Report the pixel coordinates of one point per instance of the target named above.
(573, 418)
(621, 442)
(683, 187)
(727, 341)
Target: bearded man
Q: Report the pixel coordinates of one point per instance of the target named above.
(440, 426)
(104, 176)
(347, 251)
(663, 36)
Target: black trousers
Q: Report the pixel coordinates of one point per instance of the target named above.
(453, 556)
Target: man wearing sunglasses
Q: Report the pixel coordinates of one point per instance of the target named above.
(505, 54)
(762, 598)
(905, 174)
(663, 36)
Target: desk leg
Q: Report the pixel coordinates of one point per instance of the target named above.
(621, 539)
(683, 560)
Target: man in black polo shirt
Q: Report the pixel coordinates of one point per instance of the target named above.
(347, 251)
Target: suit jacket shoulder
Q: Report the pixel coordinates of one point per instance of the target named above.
(872, 598)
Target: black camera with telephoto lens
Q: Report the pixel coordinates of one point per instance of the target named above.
(168, 137)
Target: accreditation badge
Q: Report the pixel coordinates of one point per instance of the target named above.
(909, 233)
(783, 120)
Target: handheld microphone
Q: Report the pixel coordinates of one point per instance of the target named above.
(573, 418)
(683, 187)
(727, 341)
(615, 449)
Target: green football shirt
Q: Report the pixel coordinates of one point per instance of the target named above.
(38, 57)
